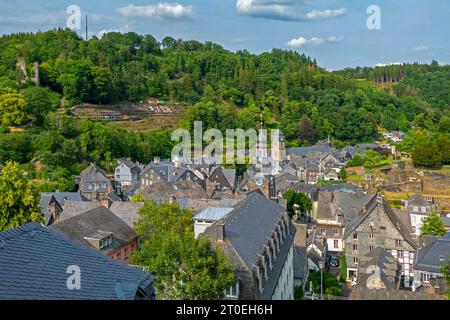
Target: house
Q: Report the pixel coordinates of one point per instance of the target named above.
(330, 175)
(50, 208)
(126, 174)
(284, 182)
(171, 172)
(93, 183)
(39, 263)
(334, 211)
(101, 230)
(428, 262)
(419, 208)
(221, 180)
(379, 226)
(257, 236)
(206, 217)
(379, 278)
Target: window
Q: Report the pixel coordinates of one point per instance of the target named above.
(232, 291)
(355, 247)
(336, 244)
(416, 209)
(119, 254)
(398, 243)
(336, 232)
(370, 248)
(355, 236)
(355, 260)
(125, 252)
(132, 247)
(382, 228)
(441, 258)
(370, 235)
(425, 277)
(423, 209)
(118, 170)
(323, 231)
(400, 254)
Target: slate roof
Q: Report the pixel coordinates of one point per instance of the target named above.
(250, 223)
(180, 189)
(212, 213)
(128, 212)
(34, 262)
(93, 173)
(130, 164)
(62, 197)
(230, 175)
(303, 151)
(88, 223)
(347, 205)
(388, 266)
(428, 257)
(74, 208)
(418, 200)
(341, 187)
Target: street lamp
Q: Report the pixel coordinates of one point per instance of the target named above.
(321, 266)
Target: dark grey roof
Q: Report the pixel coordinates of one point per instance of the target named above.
(74, 208)
(87, 224)
(34, 262)
(62, 197)
(130, 164)
(250, 224)
(429, 257)
(127, 211)
(93, 173)
(418, 200)
(341, 187)
(303, 151)
(230, 175)
(341, 206)
(388, 266)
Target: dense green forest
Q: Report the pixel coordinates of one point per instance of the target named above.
(224, 89)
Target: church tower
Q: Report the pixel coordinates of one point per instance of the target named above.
(278, 151)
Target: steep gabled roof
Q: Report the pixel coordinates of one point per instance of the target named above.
(379, 202)
(89, 223)
(94, 173)
(34, 263)
(429, 257)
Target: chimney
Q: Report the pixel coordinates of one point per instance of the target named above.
(156, 159)
(106, 203)
(220, 228)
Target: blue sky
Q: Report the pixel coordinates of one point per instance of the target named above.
(334, 32)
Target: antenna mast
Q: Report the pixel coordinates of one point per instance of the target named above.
(86, 27)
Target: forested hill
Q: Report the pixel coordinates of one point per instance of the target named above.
(229, 89)
(430, 82)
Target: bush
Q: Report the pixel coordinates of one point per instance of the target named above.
(298, 293)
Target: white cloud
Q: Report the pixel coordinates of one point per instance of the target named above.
(421, 48)
(299, 42)
(282, 10)
(324, 14)
(162, 10)
(314, 41)
(334, 39)
(274, 9)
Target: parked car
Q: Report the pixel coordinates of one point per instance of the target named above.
(334, 261)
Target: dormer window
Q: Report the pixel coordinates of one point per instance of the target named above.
(441, 258)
